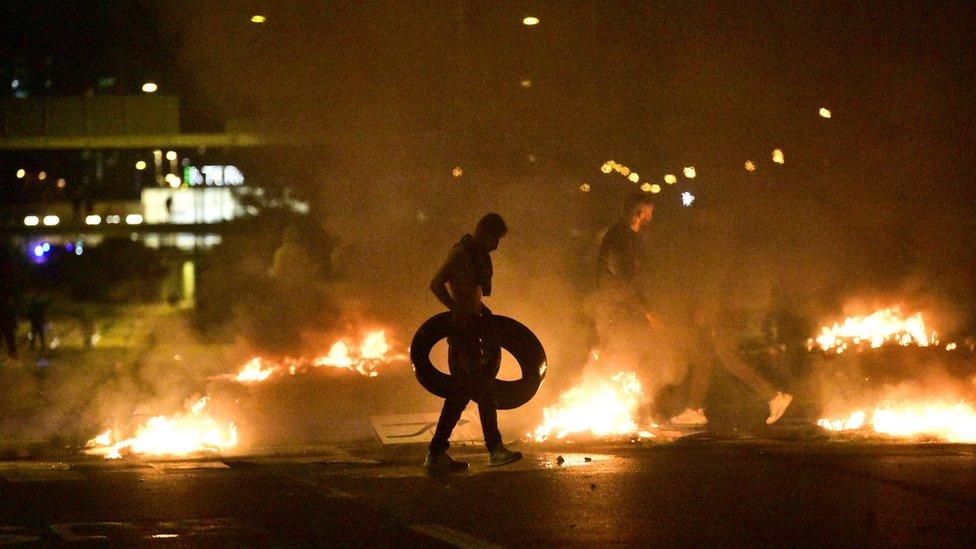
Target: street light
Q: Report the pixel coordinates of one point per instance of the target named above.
(141, 165)
(150, 87)
(31, 221)
(51, 220)
(93, 219)
(171, 156)
(21, 173)
(530, 21)
(258, 19)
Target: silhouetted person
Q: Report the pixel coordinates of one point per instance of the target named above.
(8, 299)
(460, 284)
(37, 314)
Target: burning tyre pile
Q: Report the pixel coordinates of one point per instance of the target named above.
(890, 376)
(267, 401)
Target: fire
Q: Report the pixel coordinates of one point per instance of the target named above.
(887, 326)
(600, 408)
(951, 422)
(373, 352)
(255, 370)
(190, 432)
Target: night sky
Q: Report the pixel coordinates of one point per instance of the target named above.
(416, 88)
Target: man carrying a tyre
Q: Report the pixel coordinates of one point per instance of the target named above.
(460, 283)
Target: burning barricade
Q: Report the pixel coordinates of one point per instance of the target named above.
(595, 408)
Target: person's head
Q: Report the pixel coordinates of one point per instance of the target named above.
(490, 229)
(638, 210)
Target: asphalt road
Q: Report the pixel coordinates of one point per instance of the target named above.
(684, 493)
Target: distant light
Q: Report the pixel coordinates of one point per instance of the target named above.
(633, 177)
(112, 219)
(38, 251)
(51, 220)
(79, 250)
(69, 247)
(585, 187)
(157, 152)
(21, 173)
(31, 221)
(457, 171)
(15, 84)
(258, 19)
(606, 167)
(750, 167)
(46, 247)
(670, 179)
(525, 83)
(690, 172)
(62, 183)
(173, 180)
(624, 171)
(42, 176)
(824, 112)
(150, 87)
(93, 219)
(646, 187)
(171, 155)
(133, 219)
(687, 198)
(141, 165)
(778, 157)
(655, 188)
(530, 21)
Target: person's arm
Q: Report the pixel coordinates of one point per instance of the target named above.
(438, 284)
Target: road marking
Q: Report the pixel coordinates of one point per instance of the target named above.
(452, 536)
(327, 491)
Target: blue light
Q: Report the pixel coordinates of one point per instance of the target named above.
(47, 247)
(38, 251)
(69, 247)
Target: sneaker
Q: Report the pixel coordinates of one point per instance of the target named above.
(443, 463)
(502, 456)
(690, 417)
(777, 406)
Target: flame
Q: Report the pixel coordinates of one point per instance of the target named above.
(175, 435)
(601, 408)
(882, 327)
(951, 422)
(255, 370)
(373, 352)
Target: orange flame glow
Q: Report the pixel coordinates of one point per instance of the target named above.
(179, 434)
(951, 422)
(600, 408)
(887, 326)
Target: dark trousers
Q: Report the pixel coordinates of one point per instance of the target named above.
(475, 379)
(451, 413)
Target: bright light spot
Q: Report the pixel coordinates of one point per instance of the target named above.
(530, 21)
(46, 247)
(585, 187)
(951, 347)
(42, 176)
(15, 84)
(670, 179)
(824, 112)
(689, 172)
(258, 19)
(149, 87)
(78, 251)
(171, 155)
(51, 220)
(173, 180)
(112, 219)
(141, 165)
(133, 219)
(38, 250)
(750, 167)
(93, 219)
(778, 156)
(457, 171)
(887, 326)
(596, 408)
(62, 183)
(655, 188)
(646, 187)
(633, 177)
(525, 83)
(687, 198)
(31, 221)
(21, 173)
(606, 167)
